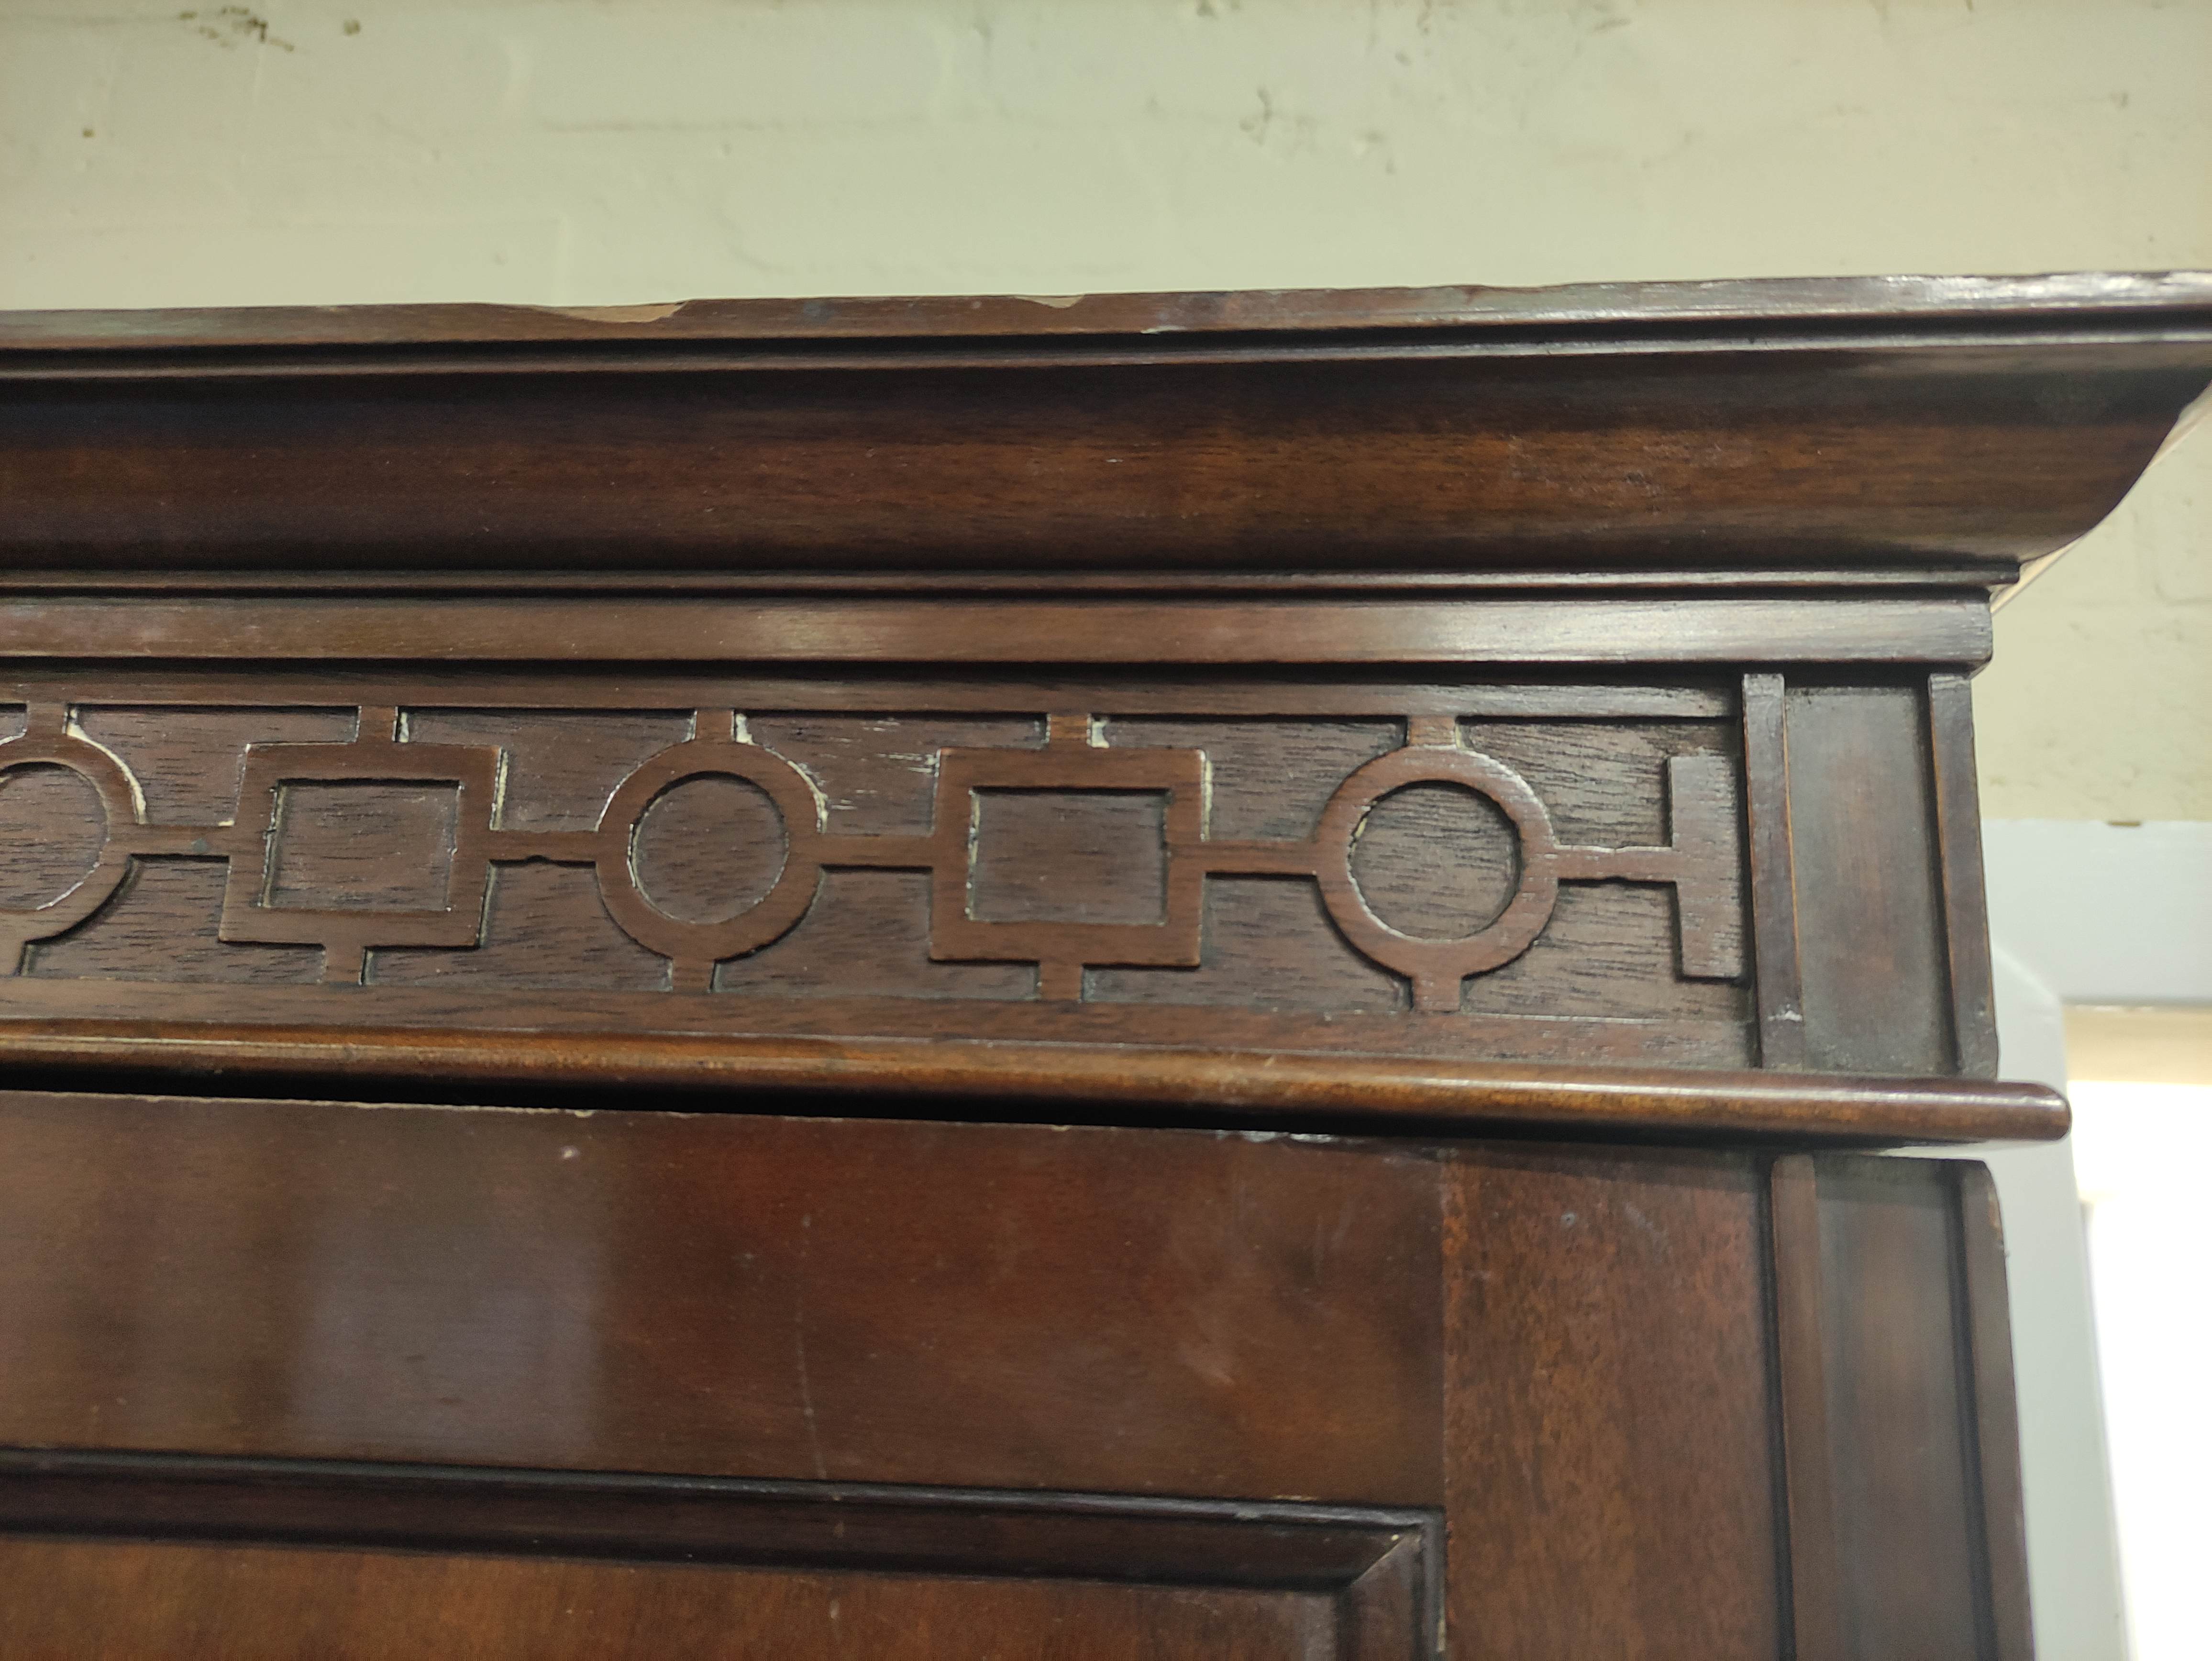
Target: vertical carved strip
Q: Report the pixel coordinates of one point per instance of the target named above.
(1707, 868)
(1773, 881)
(1959, 847)
(1987, 1330)
(1808, 1477)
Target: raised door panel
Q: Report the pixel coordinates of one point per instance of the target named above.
(1566, 1399)
(202, 1603)
(195, 1557)
(1170, 1311)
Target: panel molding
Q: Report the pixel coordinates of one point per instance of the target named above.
(1612, 631)
(1381, 1565)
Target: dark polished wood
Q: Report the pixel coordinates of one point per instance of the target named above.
(246, 1602)
(1867, 877)
(558, 1564)
(1913, 1560)
(1421, 430)
(937, 1304)
(1609, 1416)
(1292, 1546)
(1979, 1285)
(1800, 1381)
(690, 1573)
(1227, 1088)
(1453, 675)
(1958, 836)
(1558, 1367)
(1337, 871)
(1526, 869)
(1770, 861)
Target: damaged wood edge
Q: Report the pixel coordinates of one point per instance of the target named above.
(1065, 1082)
(2155, 303)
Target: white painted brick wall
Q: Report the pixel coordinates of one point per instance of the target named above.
(573, 152)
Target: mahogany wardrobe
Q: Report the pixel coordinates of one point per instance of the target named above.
(1215, 975)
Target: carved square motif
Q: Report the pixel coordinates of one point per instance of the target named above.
(1066, 855)
(1079, 856)
(363, 846)
(354, 846)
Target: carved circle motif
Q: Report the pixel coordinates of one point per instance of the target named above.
(708, 847)
(119, 805)
(1437, 966)
(52, 827)
(1436, 860)
(767, 918)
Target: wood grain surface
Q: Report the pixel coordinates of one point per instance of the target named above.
(1457, 674)
(938, 1304)
(1605, 1397)
(481, 853)
(1059, 1083)
(1345, 863)
(876, 868)
(1607, 1407)
(276, 1557)
(1900, 1417)
(1430, 432)
(1868, 884)
(246, 1602)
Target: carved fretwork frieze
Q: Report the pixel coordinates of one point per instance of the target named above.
(1091, 849)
